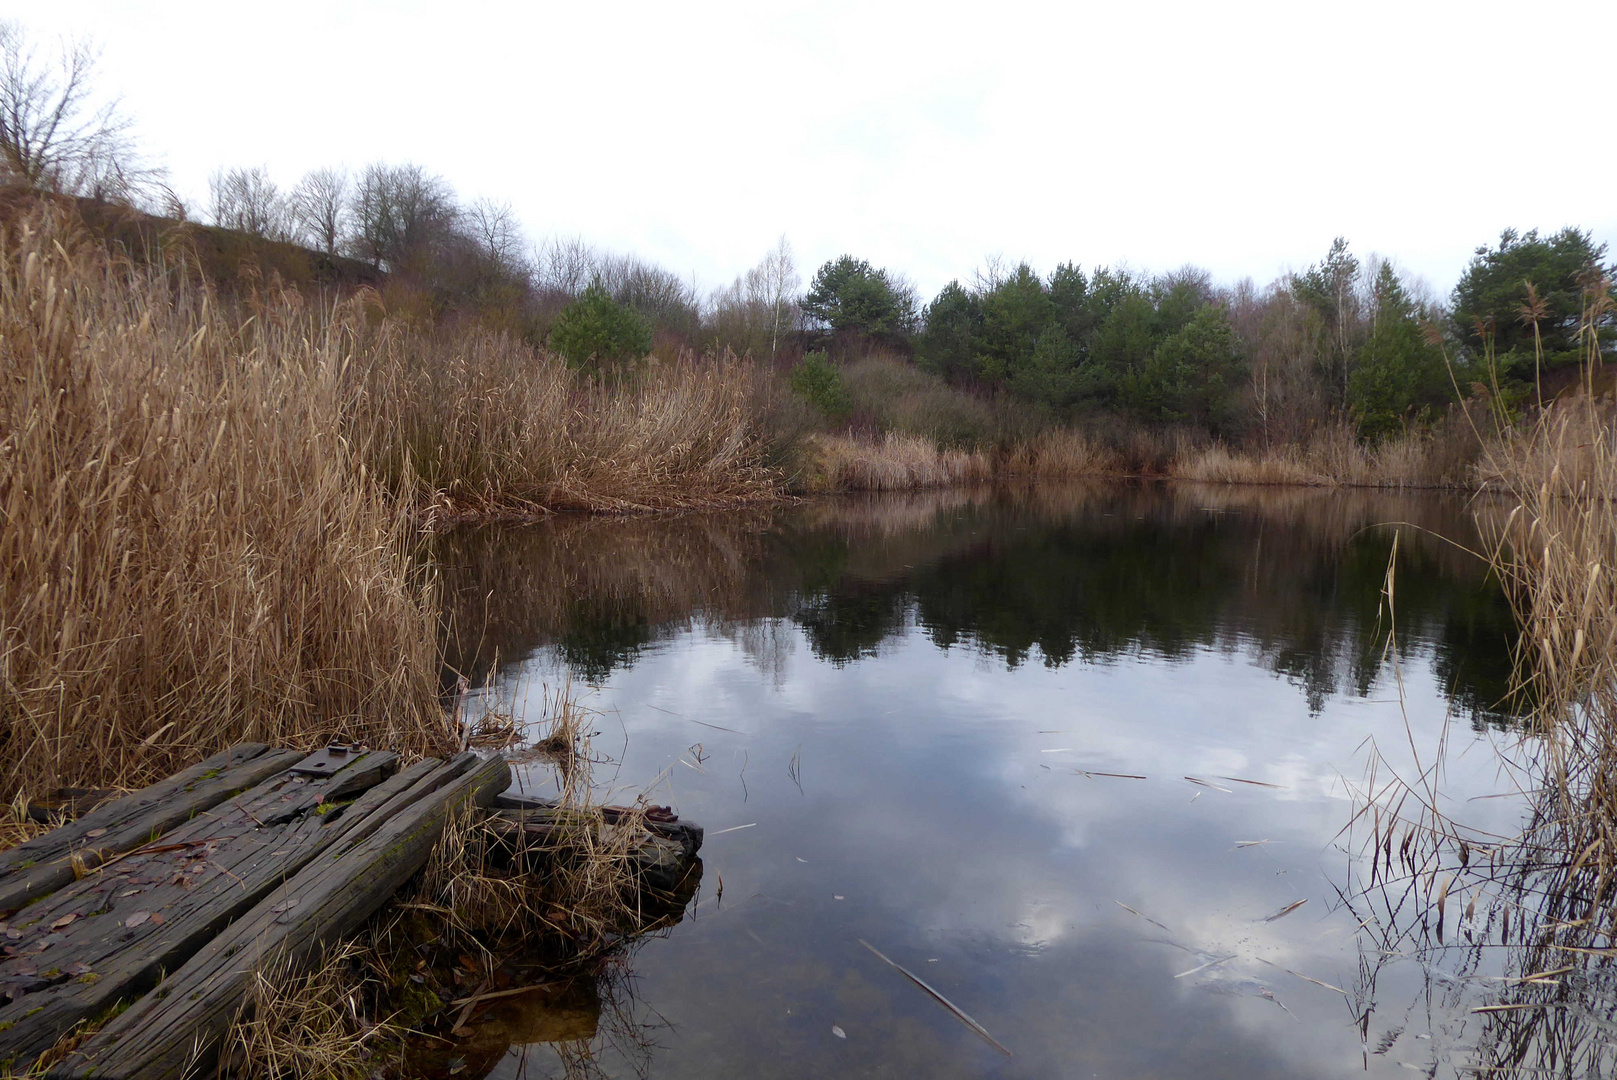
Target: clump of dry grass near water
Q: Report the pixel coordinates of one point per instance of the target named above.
(890, 463)
(1336, 457)
(1333, 458)
(195, 554)
(1547, 895)
(1061, 454)
(490, 917)
(312, 1024)
(477, 426)
(896, 462)
(493, 887)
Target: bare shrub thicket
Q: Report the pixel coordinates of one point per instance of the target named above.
(56, 133)
(1442, 456)
(247, 200)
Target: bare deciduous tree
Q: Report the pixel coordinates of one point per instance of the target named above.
(53, 137)
(319, 208)
(754, 313)
(400, 214)
(565, 266)
(494, 228)
(1290, 394)
(249, 201)
(777, 282)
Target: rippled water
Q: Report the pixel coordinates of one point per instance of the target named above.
(906, 710)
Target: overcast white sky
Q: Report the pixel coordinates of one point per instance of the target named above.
(1239, 136)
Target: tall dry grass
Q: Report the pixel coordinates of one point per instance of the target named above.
(890, 463)
(1547, 896)
(193, 553)
(310, 1023)
(211, 510)
(1441, 457)
(895, 462)
(1062, 454)
(1558, 552)
(479, 426)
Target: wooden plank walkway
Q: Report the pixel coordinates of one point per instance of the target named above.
(248, 855)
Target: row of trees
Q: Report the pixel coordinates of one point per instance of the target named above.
(1160, 349)
(1346, 338)
(586, 303)
(58, 135)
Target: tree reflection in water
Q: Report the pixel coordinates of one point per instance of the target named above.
(1049, 574)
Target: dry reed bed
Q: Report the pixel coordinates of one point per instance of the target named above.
(1547, 895)
(894, 462)
(477, 426)
(210, 512)
(193, 554)
(890, 463)
(1557, 554)
(1337, 458)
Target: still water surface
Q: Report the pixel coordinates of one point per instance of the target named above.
(904, 707)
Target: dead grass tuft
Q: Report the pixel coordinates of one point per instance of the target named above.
(1062, 454)
(309, 1025)
(890, 463)
(17, 826)
(1441, 457)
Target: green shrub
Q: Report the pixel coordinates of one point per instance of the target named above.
(596, 329)
(817, 381)
(901, 397)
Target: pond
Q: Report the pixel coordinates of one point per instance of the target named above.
(1082, 758)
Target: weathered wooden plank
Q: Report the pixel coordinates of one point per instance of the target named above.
(666, 825)
(110, 935)
(658, 857)
(175, 1030)
(68, 803)
(147, 821)
(60, 841)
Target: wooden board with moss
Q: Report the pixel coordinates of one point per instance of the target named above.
(108, 936)
(47, 862)
(175, 1029)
